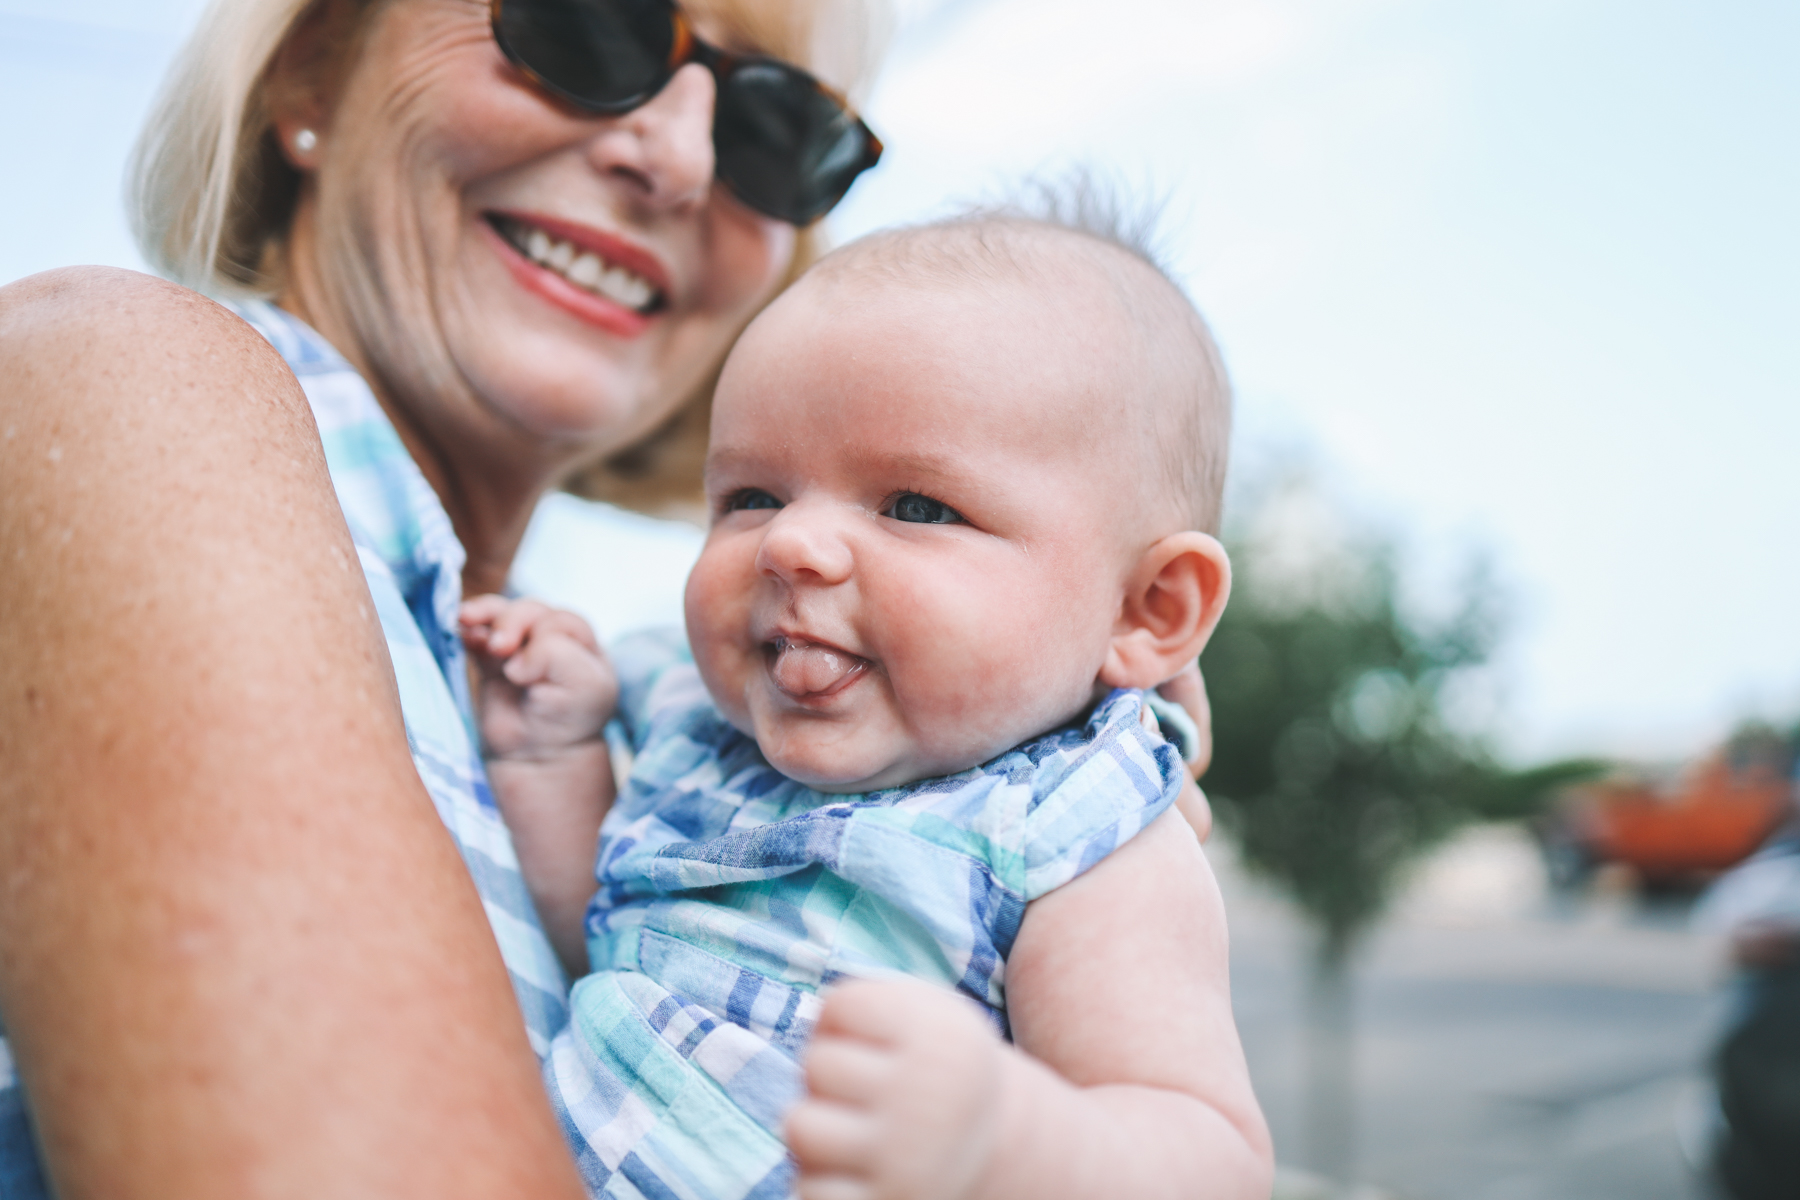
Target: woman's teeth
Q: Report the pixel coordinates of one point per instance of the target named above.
(583, 268)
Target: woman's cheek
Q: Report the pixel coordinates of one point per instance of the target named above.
(749, 253)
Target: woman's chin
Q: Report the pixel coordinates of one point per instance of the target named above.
(584, 421)
(551, 391)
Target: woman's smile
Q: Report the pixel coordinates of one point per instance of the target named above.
(593, 261)
(531, 281)
(597, 277)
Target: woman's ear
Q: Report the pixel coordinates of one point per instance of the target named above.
(1173, 599)
(304, 77)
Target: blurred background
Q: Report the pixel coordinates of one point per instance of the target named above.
(1508, 294)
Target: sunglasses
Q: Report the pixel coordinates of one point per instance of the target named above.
(784, 143)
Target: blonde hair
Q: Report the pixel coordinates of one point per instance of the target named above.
(208, 187)
(211, 197)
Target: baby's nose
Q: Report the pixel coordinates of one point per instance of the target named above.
(805, 544)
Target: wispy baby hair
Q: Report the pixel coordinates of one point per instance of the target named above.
(1187, 423)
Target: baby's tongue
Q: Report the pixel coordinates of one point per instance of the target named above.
(803, 669)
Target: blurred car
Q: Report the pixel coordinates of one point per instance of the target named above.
(1682, 828)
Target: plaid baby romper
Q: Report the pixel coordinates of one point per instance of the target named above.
(730, 895)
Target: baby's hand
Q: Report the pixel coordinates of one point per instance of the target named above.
(546, 686)
(902, 1092)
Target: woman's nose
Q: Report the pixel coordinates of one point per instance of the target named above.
(804, 545)
(663, 149)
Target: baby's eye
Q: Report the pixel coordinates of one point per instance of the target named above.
(910, 506)
(747, 499)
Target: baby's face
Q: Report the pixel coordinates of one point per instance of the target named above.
(917, 554)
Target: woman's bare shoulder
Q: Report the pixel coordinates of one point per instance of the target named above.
(114, 359)
(79, 325)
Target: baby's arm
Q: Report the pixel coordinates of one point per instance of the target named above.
(546, 695)
(1128, 1078)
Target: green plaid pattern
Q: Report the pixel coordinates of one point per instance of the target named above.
(730, 895)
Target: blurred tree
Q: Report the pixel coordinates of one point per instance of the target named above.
(1339, 759)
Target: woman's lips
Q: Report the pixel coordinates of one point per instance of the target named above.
(614, 252)
(809, 671)
(595, 310)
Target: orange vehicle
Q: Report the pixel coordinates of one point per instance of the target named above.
(1702, 822)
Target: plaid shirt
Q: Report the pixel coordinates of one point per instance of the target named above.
(413, 563)
(730, 895)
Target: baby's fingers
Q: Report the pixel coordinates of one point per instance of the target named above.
(512, 625)
(834, 1187)
(482, 609)
(552, 656)
(496, 626)
(568, 624)
(476, 618)
(888, 1011)
(1188, 689)
(831, 1143)
(530, 665)
(847, 1071)
(547, 656)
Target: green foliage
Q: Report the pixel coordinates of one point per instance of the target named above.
(1518, 795)
(1336, 763)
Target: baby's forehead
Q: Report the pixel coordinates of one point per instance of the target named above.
(1072, 319)
(1049, 298)
(1048, 263)
(1063, 331)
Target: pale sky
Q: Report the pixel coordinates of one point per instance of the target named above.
(1519, 274)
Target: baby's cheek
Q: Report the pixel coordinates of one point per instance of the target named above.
(718, 621)
(988, 663)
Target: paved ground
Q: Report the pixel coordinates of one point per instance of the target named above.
(1511, 1047)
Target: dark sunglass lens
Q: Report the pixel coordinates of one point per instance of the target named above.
(606, 55)
(785, 147)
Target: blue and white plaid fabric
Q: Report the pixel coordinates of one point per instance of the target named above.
(413, 563)
(730, 895)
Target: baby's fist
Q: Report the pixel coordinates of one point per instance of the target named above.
(545, 683)
(902, 1083)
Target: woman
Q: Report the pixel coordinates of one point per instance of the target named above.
(237, 955)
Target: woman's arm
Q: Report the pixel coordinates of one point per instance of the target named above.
(239, 955)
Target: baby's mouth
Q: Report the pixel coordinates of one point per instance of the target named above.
(809, 671)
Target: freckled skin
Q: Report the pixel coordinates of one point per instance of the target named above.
(978, 634)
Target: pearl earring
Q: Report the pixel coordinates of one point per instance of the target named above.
(306, 141)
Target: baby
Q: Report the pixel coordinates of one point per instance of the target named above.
(959, 476)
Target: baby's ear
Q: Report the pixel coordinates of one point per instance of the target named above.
(1173, 599)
